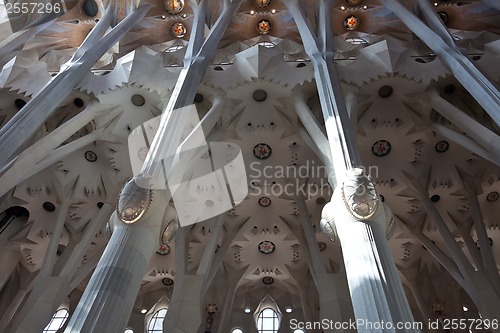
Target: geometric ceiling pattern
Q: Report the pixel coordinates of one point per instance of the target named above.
(387, 76)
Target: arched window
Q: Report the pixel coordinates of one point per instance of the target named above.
(237, 330)
(298, 330)
(57, 321)
(268, 321)
(156, 322)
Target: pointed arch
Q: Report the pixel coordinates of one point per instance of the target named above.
(267, 316)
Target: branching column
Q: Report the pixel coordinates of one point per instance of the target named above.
(17, 39)
(233, 277)
(21, 128)
(375, 288)
(107, 301)
(333, 303)
(52, 285)
(439, 40)
(487, 139)
(479, 279)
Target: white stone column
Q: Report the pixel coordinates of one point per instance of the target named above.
(375, 287)
(9, 45)
(482, 135)
(332, 305)
(376, 291)
(106, 304)
(46, 288)
(48, 150)
(483, 91)
(109, 297)
(186, 306)
(21, 128)
(481, 282)
(233, 278)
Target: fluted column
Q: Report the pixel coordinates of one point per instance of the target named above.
(109, 297)
(376, 290)
(106, 304)
(332, 305)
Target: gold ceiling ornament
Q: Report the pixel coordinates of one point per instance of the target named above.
(360, 195)
(351, 22)
(262, 3)
(133, 202)
(178, 30)
(264, 27)
(174, 6)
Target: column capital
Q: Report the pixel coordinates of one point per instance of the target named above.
(359, 194)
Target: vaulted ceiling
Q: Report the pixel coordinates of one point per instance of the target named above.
(387, 76)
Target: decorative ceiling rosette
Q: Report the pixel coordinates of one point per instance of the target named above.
(178, 30)
(264, 27)
(351, 22)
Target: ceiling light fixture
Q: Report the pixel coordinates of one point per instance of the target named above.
(262, 3)
(174, 6)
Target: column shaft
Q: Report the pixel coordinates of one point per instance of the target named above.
(109, 297)
(376, 291)
(115, 283)
(21, 128)
(482, 135)
(469, 76)
(329, 300)
(9, 258)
